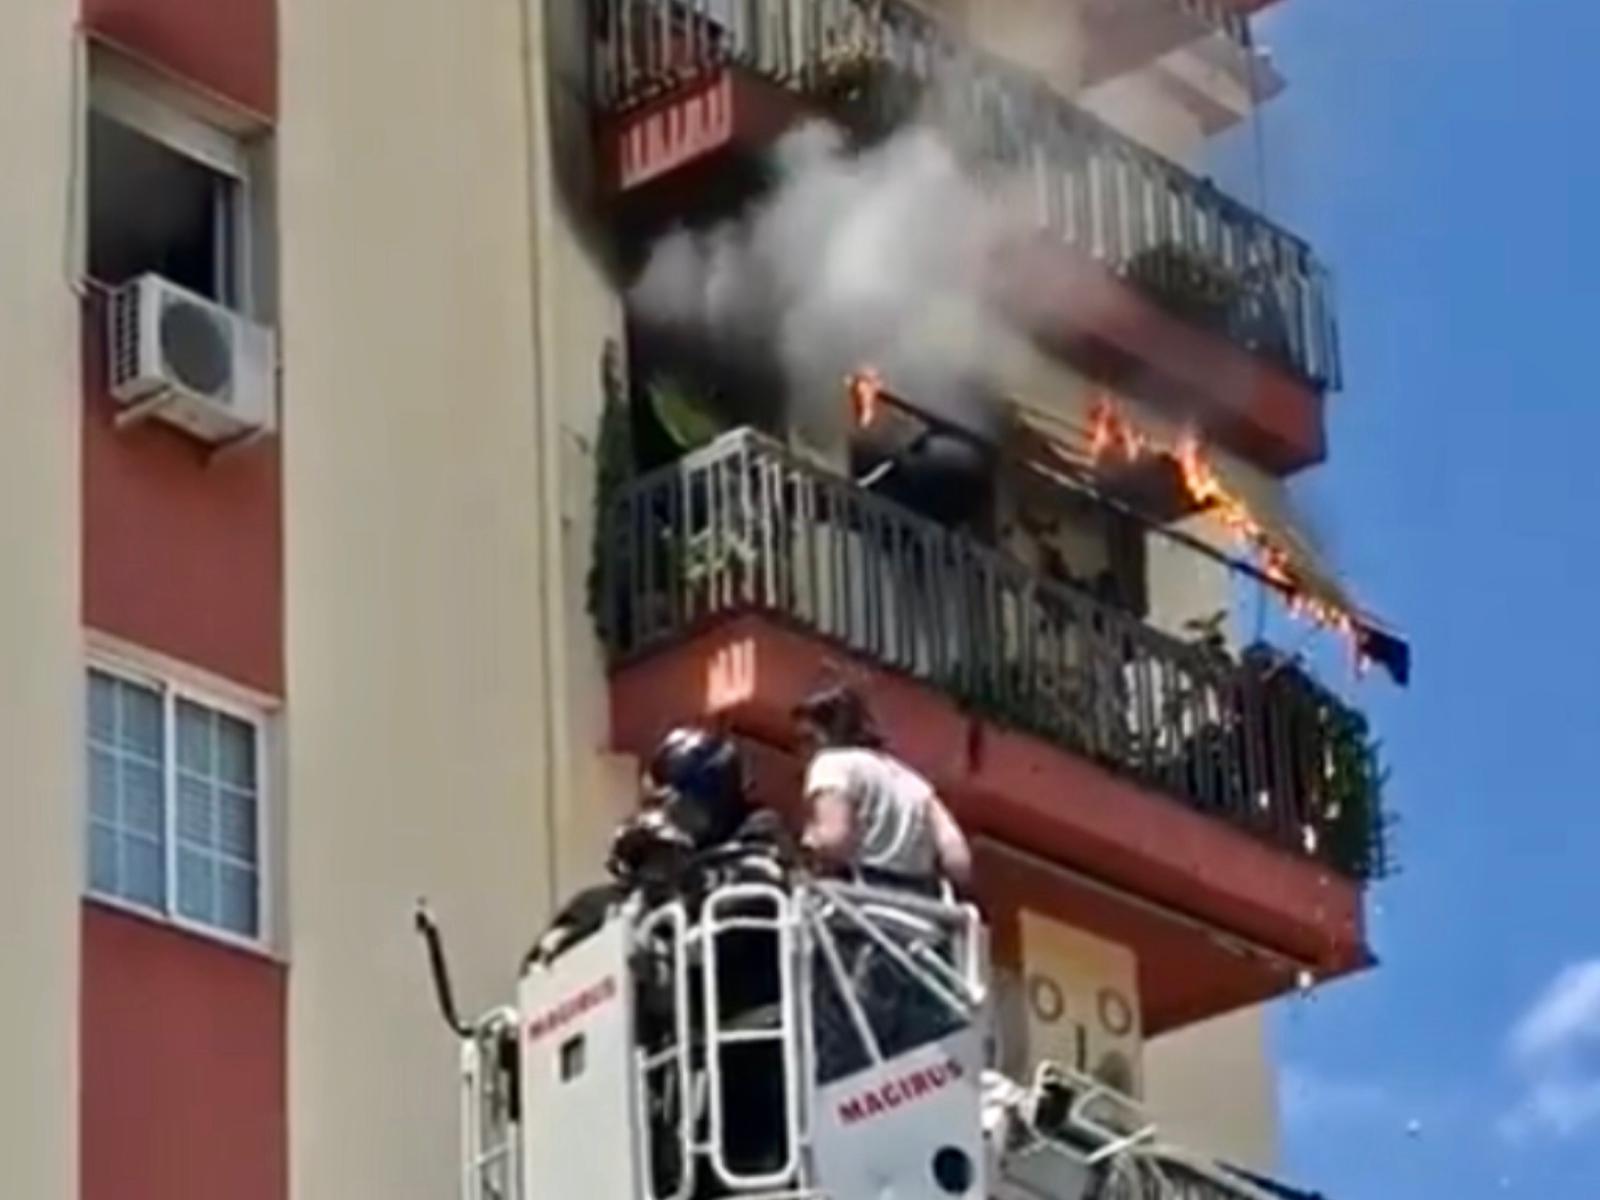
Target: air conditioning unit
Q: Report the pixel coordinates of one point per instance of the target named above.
(1081, 1003)
(189, 361)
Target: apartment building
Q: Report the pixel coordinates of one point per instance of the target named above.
(354, 547)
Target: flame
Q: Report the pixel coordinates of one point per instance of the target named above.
(1110, 430)
(866, 391)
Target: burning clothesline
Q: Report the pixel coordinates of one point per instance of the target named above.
(1113, 438)
(1111, 433)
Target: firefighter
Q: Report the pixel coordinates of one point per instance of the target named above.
(868, 813)
(696, 781)
(692, 799)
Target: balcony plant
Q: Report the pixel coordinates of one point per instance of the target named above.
(614, 466)
(1339, 792)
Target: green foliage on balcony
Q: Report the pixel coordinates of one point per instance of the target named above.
(684, 412)
(1343, 793)
(613, 468)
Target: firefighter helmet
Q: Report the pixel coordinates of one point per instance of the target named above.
(697, 778)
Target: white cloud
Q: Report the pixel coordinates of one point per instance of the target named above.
(1553, 1047)
(1566, 1013)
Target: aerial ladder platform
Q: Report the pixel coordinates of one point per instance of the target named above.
(756, 1032)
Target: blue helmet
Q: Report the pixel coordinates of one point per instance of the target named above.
(698, 778)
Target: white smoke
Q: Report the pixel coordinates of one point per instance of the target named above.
(879, 258)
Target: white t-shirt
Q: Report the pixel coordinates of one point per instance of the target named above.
(893, 808)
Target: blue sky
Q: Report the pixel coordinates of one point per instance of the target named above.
(1445, 156)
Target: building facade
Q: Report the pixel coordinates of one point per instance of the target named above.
(392, 607)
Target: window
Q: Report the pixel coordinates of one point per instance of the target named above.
(168, 193)
(175, 823)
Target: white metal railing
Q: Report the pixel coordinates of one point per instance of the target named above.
(933, 949)
(1112, 1136)
(761, 909)
(665, 1072)
(491, 1145)
(935, 946)
(643, 46)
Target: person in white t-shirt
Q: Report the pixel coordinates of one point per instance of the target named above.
(872, 817)
(868, 812)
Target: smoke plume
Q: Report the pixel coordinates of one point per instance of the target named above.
(874, 258)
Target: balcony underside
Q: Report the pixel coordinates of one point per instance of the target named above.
(676, 154)
(1091, 315)
(1124, 35)
(1218, 918)
(675, 141)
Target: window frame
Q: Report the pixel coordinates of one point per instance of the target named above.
(174, 686)
(164, 113)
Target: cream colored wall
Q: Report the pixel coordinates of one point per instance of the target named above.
(1214, 1086)
(1045, 36)
(1137, 105)
(582, 320)
(416, 696)
(1049, 39)
(1229, 91)
(40, 640)
(1080, 1002)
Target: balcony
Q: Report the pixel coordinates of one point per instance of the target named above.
(1120, 255)
(1149, 786)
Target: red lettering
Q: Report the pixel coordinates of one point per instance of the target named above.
(570, 1009)
(893, 1093)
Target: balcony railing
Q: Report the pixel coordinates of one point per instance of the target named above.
(1223, 18)
(1173, 234)
(743, 526)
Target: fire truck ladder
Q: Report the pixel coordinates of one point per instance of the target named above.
(489, 1110)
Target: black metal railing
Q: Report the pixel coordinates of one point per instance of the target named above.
(745, 526)
(1175, 235)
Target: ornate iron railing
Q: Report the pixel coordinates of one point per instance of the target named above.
(1169, 232)
(745, 526)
